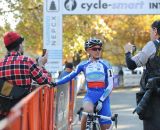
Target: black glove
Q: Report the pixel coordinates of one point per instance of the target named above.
(141, 116)
(145, 115)
(53, 84)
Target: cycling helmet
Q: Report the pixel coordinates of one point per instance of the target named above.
(92, 42)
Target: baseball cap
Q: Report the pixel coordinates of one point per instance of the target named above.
(12, 40)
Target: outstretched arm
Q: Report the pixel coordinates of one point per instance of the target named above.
(69, 76)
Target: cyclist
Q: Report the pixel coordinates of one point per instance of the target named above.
(99, 79)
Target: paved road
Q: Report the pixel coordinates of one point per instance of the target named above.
(123, 103)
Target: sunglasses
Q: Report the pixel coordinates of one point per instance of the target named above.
(96, 49)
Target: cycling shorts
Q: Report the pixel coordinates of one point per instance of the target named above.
(93, 96)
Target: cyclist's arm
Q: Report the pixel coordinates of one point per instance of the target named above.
(70, 76)
(109, 78)
(109, 88)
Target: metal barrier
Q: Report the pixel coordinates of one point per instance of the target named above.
(37, 111)
(65, 99)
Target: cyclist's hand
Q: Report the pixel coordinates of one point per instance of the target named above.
(53, 84)
(98, 105)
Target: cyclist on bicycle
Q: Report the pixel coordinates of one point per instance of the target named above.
(99, 79)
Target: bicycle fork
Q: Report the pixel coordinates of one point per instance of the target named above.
(92, 123)
(88, 123)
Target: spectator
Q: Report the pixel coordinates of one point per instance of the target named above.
(68, 69)
(17, 72)
(149, 57)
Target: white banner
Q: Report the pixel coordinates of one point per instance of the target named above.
(111, 7)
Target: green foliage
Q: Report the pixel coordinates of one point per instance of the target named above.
(31, 25)
(114, 30)
(77, 29)
(29, 14)
(133, 28)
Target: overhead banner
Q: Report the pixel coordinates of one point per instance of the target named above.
(55, 9)
(111, 7)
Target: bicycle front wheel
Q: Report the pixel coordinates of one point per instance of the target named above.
(96, 126)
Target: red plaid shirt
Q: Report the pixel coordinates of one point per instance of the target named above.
(20, 70)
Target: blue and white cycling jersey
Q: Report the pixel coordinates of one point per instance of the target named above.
(99, 80)
(94, 71)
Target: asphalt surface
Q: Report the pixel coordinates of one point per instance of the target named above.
(122, 102)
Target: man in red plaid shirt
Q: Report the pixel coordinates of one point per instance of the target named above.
(20, 70)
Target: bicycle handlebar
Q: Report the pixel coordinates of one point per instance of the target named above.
(52, 84)
(97, 116)
(112, 118)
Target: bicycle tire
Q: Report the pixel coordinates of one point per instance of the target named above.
(93, 126)
(96, 126)
(88, 126)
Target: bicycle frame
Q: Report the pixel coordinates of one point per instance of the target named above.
(92, 122)
(92, 119)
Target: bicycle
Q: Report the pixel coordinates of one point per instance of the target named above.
(92, 119)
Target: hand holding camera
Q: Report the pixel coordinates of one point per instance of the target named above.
(42, 60)
(129, 48)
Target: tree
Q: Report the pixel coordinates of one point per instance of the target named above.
(78, 29)
(29, 14)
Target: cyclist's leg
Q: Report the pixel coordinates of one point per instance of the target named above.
(106, 111)
(90, 98)
(103, 127)
(88, 107)
(83, 122)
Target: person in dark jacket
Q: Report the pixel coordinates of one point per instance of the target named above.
(67, 70)
(17, 72)
(149, 57)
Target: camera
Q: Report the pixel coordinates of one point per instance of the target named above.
(134, 48)
(44, 52)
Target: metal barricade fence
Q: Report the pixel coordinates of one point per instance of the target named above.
(37, 111)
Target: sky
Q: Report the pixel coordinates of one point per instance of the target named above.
(9, 17)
